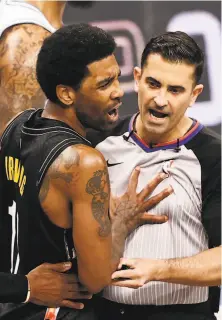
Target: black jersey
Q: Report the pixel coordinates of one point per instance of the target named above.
(29, 145)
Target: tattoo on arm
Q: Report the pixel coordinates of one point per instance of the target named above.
(3, 49)
(63, 161)
(19, 88)
(44, 189)
(96, 186)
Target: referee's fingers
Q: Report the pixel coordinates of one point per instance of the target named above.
(123, 274)
(133, 284)
(130, 263)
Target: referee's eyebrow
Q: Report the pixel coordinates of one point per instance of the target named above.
(170, 86)
(151, 79)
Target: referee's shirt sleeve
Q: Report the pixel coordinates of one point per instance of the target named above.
(13, 288)
(211, 207)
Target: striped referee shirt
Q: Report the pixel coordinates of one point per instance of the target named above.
(193, 208)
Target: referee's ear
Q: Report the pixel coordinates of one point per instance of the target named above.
(196, 92)
(137, 76)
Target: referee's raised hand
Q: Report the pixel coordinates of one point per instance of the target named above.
(133, 208)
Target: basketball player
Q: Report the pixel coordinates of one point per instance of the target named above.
(56, 181)
(23, 27)
(171, 265)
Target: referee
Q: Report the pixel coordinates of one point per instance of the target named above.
(169, 271)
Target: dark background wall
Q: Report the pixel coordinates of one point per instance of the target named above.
(133, 23)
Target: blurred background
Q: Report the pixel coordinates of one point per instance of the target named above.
(133, 23)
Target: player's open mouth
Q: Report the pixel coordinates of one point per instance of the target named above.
(156, 114)
(114, 112)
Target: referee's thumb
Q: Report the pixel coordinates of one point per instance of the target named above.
(60, 267)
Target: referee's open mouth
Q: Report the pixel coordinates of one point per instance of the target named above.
(157, 117)
(158, 114)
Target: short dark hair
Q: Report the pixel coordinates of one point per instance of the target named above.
(176, 47)
(65, 54)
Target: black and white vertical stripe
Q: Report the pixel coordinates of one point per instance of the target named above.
(182, 236)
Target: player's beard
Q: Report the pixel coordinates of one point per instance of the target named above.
(88, 122)
(80, 4)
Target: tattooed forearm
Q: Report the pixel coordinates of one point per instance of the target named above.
(121, 211)
(119, 234)
(96, 187)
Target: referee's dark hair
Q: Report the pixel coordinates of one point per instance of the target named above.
(65, 54)
(176, 47)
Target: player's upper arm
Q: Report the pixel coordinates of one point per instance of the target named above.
(19, 89)
(79, 179)
(91, 224)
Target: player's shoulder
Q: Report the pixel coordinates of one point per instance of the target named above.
(26, 30)
(122, 126)
(27, 36)
(78, 157)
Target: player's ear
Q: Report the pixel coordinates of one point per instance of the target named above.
(66, 94)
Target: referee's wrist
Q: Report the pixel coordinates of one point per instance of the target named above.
(28, 292)
(161, 270)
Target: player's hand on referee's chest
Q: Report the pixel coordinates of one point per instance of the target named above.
(132, 208)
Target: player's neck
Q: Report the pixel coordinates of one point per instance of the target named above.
(52, 10)
(66, 115)
(151, 137)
